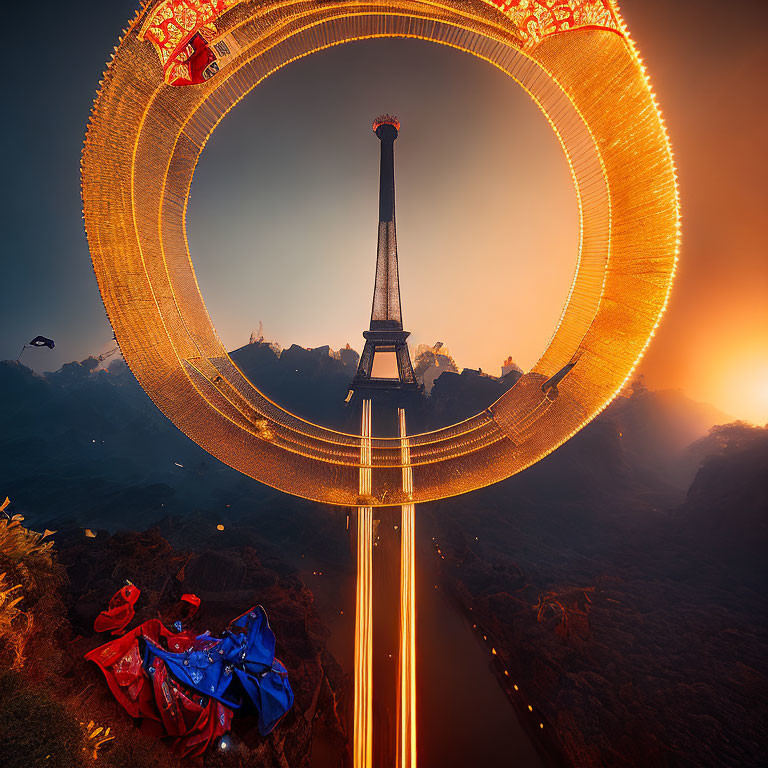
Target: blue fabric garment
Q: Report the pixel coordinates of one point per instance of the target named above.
(270, 693)
(239, 669)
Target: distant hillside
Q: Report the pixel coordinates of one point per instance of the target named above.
(725, 513)
(88, 445)
(97, 439)
(308, 382)
(657, 426)
(313, 384)
(457, 396)
(637, 628)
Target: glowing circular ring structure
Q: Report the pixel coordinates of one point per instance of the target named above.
(575, 59)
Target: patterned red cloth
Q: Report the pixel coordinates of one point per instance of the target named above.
(537, 19)
(120, 611)
(182, 32)
(192, 721)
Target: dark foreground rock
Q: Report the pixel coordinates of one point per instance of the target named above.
(228, 581)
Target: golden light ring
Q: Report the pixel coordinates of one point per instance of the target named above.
(141, 150)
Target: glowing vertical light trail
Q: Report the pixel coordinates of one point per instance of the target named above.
(407, 661)
(363, 716)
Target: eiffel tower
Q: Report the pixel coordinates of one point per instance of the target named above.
(386, 334)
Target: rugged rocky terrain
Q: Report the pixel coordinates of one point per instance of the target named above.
(640, 633)
(621, 580)
(229, 580)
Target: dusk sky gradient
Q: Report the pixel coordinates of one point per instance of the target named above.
(282, 216)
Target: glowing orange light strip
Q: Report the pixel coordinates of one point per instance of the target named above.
(363, 703)
(151, 294)
(407, 662)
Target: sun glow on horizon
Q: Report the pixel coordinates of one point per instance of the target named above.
(744, 390)
(733, 378)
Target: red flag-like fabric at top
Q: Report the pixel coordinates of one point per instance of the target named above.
(193, 601)
(120, 612)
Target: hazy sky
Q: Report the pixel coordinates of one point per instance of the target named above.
(282, 218)
(486, 213)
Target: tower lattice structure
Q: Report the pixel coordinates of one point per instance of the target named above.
(386, 332)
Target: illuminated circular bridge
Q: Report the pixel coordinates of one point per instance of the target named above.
(183, 64)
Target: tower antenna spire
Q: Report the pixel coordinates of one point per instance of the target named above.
(386, 334)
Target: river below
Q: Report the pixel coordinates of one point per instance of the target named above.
(464, 717)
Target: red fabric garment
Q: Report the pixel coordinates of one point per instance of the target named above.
(120, 661)
(120, 611)
(193, 721)
(198, 56)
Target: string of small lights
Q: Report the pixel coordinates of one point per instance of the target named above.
(143, 143)
(363, 692)
(488, 641)
(407, 662)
